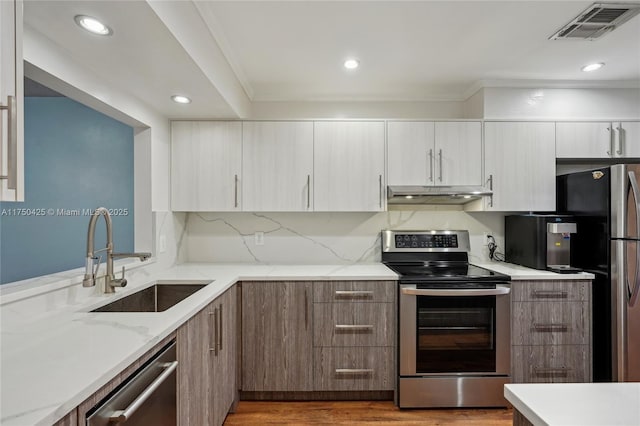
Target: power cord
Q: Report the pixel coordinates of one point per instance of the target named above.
(494, 254)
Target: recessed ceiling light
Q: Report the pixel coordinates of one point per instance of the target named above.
(181, 99)
(92, 25)
(592, 67)
(351, 64)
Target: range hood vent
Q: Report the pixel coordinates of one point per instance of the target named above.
(416, 194)
(597, 20)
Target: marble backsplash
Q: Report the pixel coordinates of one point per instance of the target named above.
(322, 238)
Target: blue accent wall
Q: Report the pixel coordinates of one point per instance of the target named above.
(76, 159)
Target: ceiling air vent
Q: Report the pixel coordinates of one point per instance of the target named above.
(597, 20)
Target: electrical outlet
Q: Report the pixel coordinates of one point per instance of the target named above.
(259, 237)
(162, 244)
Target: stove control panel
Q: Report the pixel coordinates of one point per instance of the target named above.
(420, 241)
(426, 241)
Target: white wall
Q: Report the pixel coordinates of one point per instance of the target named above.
(322, 238)
(561, 104)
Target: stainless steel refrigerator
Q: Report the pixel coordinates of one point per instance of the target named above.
(606, 204)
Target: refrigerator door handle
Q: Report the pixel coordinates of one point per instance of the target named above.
(636, 193)
(633, 291)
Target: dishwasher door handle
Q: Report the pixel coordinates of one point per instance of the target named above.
(122, 416)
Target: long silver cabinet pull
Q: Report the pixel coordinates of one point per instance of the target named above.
(551, 327)
(440, 171)
(308, 192)
(354, 370)
(550, 371)
(12, 143)
(620, 131)
(470, 292)
(549, 294)
(306, 309)
(431, 165)
(220, 333)
(490, 181)
(122, 416)
(353, 327)
(380, 190)
(354, 293)
(214, 349)
(610, 152)
(235, 191)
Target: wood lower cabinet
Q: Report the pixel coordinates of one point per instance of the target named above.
(551, 331)
(354, 368)
(70, 419)
(207, 363)
(277, 336)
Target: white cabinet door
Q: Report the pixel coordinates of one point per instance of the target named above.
(584, 140)
(428, 153)
(627, 139)
(277, 164)
(410, 153)
(11, 102)
(349, 166)
(458, 153)
(520, 162)
(206, 165)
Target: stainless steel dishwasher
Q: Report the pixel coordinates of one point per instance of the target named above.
(148, 397)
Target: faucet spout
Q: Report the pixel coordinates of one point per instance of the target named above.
(93, 261)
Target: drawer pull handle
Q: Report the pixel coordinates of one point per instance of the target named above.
(354, 293)
(354, 371)
(550, 327)
(549, 294)
(550, 371)
(354, 327)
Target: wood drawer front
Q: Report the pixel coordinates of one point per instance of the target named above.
(550, 323)
(354, 291)
(551, 364)
(545, 291)
(353, 324)
(354, 369)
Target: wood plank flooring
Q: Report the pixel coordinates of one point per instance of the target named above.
(360, 413)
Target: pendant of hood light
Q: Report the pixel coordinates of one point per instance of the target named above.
(93, 25)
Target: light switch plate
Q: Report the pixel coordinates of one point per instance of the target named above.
(259, 237)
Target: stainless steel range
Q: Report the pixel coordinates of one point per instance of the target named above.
(454, 322)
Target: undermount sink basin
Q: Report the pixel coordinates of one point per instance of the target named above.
(157, 298)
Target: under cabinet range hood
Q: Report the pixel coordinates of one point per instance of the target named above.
(417, 194)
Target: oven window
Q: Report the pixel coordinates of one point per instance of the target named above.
(456, 334)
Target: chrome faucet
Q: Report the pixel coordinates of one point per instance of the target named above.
(93, 261)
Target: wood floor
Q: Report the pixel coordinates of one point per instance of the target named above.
(359, 413)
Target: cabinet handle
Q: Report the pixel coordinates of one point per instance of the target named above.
(440, 161)
(354, 371)
(490, 182)
(610, 152)
(235, 191)
(214, 348)
(380, 190)
(353, 327)
(12, 143)
(549, 294)
(431, 165)
(550, 327)
(308, 192)
(620, 131)
(220, 333)
(354, 293)
(306, 308)
(550, 371)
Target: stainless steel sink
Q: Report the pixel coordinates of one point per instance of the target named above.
(157, 298)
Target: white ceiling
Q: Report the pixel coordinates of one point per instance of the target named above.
(293, 50)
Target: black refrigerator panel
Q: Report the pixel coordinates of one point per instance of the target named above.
(601, 328)
(584, 193)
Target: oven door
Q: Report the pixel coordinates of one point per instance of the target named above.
(454, 331)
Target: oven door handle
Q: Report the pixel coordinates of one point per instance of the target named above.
(450, 292)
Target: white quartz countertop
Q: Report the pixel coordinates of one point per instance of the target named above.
(517, 272)
(51, 362)
(577, 404)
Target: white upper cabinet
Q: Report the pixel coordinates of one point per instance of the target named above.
(349, 166)
(277, 161)
(11, 102)
(206, 165)
(440, 153)
(520, 165)
(598, 140)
